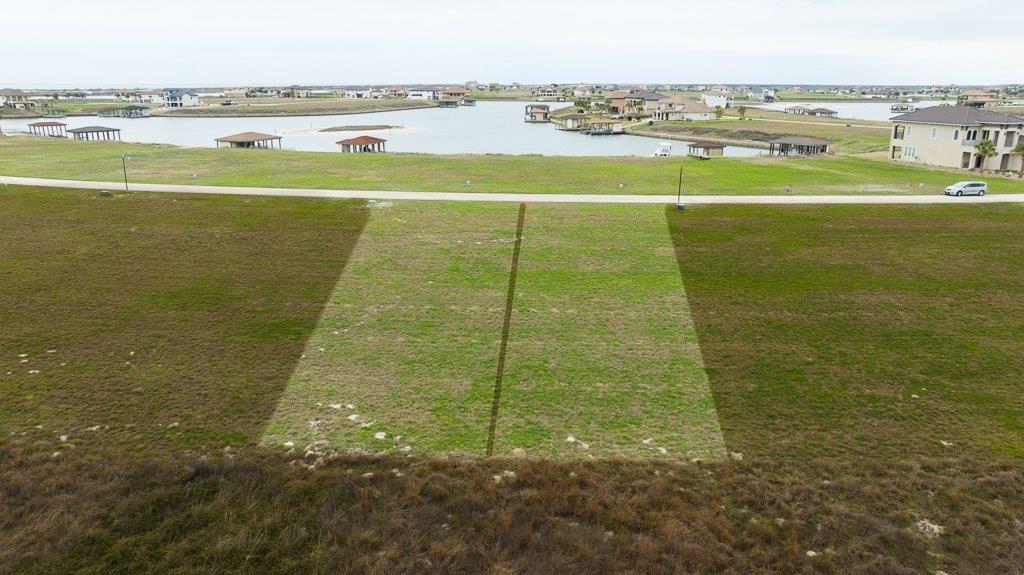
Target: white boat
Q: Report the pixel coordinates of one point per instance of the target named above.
(664, 150)
(902, 108)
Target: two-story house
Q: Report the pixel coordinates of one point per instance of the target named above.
(948, 136)
(181, 99)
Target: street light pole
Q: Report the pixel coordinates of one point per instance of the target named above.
(124, 169)
(679, 192)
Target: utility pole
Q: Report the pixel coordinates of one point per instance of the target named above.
(124, 169)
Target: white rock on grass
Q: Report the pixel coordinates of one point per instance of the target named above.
(507, 475)
(570, 439)
(648, 441)
(63, 438)
(335, 406)
(380, 435)
(812, 553)
(353, 417)
(929, 529)
(288, 444)
(406, 449)
(946, 443)
(737, 456)
(662, 451)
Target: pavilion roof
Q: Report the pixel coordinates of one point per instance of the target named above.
(248, 137)
(362, 141)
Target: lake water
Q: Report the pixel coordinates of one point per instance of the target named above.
(487, 128)
(852, 110)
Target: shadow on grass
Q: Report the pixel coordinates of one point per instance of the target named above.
(147, 320)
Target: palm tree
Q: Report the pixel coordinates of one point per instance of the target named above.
(743, 112)
(719, 112)
(1019, 150)
(985, 149)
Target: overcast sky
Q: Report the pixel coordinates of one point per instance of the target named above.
(263, 42)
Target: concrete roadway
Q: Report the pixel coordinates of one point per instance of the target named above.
(505, 197)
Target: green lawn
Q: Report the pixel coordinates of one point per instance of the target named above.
(859, 331)
(54, 158)
(68, 107)
(863, 364)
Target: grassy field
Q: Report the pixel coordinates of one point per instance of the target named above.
(410, 340)
(249, 107)
(54, 158)
(521, 95)
(863, 363)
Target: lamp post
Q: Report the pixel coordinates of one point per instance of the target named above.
(679, 192)
(124, 169)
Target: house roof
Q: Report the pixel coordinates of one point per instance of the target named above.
(541, 106)
(618, 94)
(645, 95)
(801, 141)
(692, 106)
(822, 111)
(248, 137)
(93, 129)
(574, 117)
(958, 116)
(456, 90)
(362, 141)
(180, 93)
(705, 145)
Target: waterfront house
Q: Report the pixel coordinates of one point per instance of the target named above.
(362, 144)
(237, 92)
(133, 111)
(604, 127)
(796, 110)
(181, 99)
(717, 99)
(394, 92)
(152, 97)
(357, 92)
(822, 112)
(538, 113)
(948, 136)
(15, 99)
(455, 92)
(548, 92)
(581, 91)
(424, 93)
(978, 98)
(680, 109)
(249, 140)
(641, 102)
(617, 101)
(294, 92)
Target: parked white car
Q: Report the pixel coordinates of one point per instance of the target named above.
(967, 189)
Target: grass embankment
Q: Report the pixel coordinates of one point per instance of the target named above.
(516, 95)
(251, 107)
(55, 158)
(818, 325)
(69, 108)
(847, 136)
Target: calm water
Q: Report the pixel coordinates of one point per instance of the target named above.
(852, 110)
(487, 128)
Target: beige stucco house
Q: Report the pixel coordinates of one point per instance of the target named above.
(948, 136)
(679, 109)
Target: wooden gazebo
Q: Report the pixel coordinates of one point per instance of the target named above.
(798, 145)
(362, 144)
(249, 140)
(49, 128)
(95, 133)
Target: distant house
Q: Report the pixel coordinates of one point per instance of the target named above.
(717, 99)
(582, 91)
(617, 101)
(152, 97)
(978, 98)
(822, 112)
(538, 113)
(294, 92)
(949, 135)
(394, 92)
(15, 99)
(181, 99)
(796, 110)
(574, 122)
(549, 91)
(357, 92)
(424, 93)
(237, 92)
(643, 102)
(679, 109)
(455, 92)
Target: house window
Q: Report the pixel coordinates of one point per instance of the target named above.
(899, 132)
(908, 130)
(984, 134)
(956, 135)
(935, 133)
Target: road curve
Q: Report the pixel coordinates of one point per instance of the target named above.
(505, 197)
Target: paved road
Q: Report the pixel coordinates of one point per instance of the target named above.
(533, 198)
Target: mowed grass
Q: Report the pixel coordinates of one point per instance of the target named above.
(602, 347)
(409, 337)
(54, 158)
(863, 332)
(142, 322)
(603, 359)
